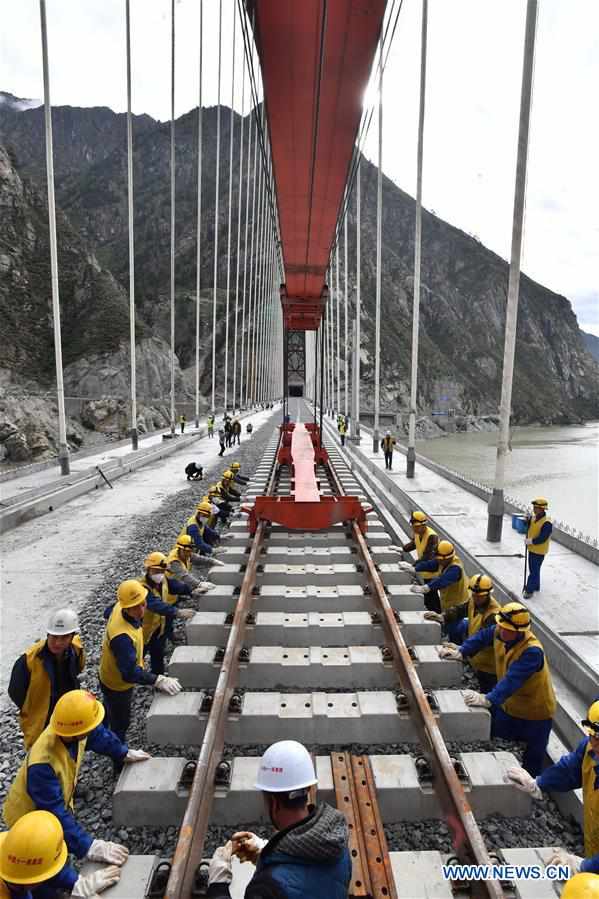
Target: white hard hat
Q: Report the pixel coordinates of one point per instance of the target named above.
(63, 621)
(284, 767)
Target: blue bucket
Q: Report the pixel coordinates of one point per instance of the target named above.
(519, 524)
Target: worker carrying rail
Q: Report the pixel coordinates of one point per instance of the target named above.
(307, 856)
(448, 585)
(45, 672)
(47, 777)
(34, 859)
(574, 770)
(523, 702)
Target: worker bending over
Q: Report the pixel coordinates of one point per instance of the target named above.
(45, 672)
(217, 498)
(194, 471)
(205, 538)
(424, 540)
(161, 612)
(228, 490)
(538, 538)
(574, 770)
(237, 476)
(448, 585)
(48, 775)
(523, 702)
(308, 856)
(180, 561)
(122, 658)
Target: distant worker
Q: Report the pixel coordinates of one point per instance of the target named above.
(236, 432)
(228, 431)
(182, 422)
(222, 439)
(342, 431)
(538, 538)
(448, 587)
(574, 770)
(161, 612)
(122, 658)
(45, 672)
(48, 775)
(182, 558)
(387, 446)
(308, 856)
(249, 428)
(210, 424)
(239, 478)
(194, 472)
(523, 702)
(34, 859)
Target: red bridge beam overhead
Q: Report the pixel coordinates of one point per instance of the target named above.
(316, 57)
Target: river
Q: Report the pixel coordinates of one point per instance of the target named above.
(560, 463)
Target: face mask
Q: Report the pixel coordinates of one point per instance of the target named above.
(157, 578)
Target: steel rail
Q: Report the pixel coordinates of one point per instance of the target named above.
(192, 834)
(468, 842)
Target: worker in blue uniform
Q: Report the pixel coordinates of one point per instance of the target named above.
(47, 670)
(238, 477)
(34, 862)
(523, 702)
(161, 610)
(538, 538)
(204, 537)
(448, 586)
(574, 770)
(47, 777)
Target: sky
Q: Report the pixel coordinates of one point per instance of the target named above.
(474, 66)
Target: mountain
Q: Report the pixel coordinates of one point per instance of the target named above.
(592, 344)
(464, 284)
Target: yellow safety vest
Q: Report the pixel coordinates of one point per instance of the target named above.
(478, 620)
(109, 672)
(534, 529)
(48, 749)
(388, 444)
(535, 700)
(420, 541)
(590, 795)
(35, 711)
(174, 556)
(154, 621)
(457, 593)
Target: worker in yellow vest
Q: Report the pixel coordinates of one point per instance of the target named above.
(45, 672)
(424, 540)
(182, 558)
(523, 702)
(34, 859)
(577, 769)
(538, 538)
(237, 476)
(230, 492)
(448, 585)
(48, 775)
(161, 612)
(122, 658)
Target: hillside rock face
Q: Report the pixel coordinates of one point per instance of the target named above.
(464, 285)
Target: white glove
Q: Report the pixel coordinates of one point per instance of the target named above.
(168, 685)
(137, 755)
(406, 566)
(416, 588)
(216, 563)
(524, 781)
(89, 887)
(563, 857)
(449, 651)
(433, 616)
(528, 541)
(247, 846)
(186, 614)
(220, 868)
(227, 536)
(395, 549)
(102, 851)
(473, 698)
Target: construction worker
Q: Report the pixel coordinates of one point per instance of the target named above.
(122, 658)
(538, 538)
(204, 537)
(210, 424)
(223, 509)
(523, 702)
(574, 770)
(424, 541)
(163, 593)
(342, 430)
(34, 859)
(180, 561)
(448, 585)
(48, 775)
(461, 622)
(228, 486)
(387, 446)
(307, 856)
(236, 432)
(238, 477)
(45, 671)
(182, 422)
(249, 428)
(581, 886)
(194, 471)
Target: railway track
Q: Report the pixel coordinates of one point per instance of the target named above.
(315, 636)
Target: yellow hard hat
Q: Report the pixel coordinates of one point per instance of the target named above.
(130, 593)
(33, 850)
(480, 583)
(591, 722)
(76, 713)
(445, 550)
(541, 502)
(582, 886)
(184, 541)
(513, 616)
(204, 508)
(155, 560)
(228, 474)
(235, 466)
(418, 517)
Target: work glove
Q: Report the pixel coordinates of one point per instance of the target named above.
(434, 616)
(247, 846)
(168, 685)
(528, 541)
(202, 588)
(217, 563)
(102, 851)
(220, 869)
(89, 887)
(417, 588)
(524, 781)
(186, 614)
(227, 536)
(136, 755)
(475, 699)
(563, 857)
(406, 566)
(395, 549)
(450, 651)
